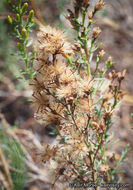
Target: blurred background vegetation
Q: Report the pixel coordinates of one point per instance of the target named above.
(16, 114)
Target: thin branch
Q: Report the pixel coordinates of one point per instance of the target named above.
(93, 171)
(6, 168)
(101, 142)
(13, 169)
(4, 181)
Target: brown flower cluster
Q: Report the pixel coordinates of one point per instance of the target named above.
(78, 104)
(59, 91)
(63, 98)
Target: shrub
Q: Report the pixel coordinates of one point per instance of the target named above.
(76, 92)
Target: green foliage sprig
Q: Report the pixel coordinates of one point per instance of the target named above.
(14, 154)
(22, 29)
(83, 23)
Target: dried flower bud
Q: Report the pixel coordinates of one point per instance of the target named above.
(102, 126)
(90, 15)
(102, 70)
(124, 73)
(101, 54)
(76, 47)
(99, 5)
(110, 76)
(114, 74)
(77, 6)
(108, 112)
(104, 167)
(109, 59)
(96, 32)
(71, 15)
(94, 124)
(109, 62)
(121, 75)
(120, 95)
(86, 3)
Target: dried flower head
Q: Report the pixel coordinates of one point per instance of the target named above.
(99, 5)
(101, 54)
(104, 168)
(52, 41)
(109, 59)
(90, 15)
(96, 32)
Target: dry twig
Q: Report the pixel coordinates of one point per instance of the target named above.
(4, 181)
(6, 168)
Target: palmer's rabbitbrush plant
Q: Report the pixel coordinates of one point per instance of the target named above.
(78, 101)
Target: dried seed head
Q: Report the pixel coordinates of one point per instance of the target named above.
(110, 75)
(86, 3)
(96, 32)
(109, 59)
(76, 47)
(101, 54)
(113, 75)
(104, 167)
(52, 41)
(120, 95)
(90, 15)
(102, 126)
(108, 112)
(71, 14)
(124, 73)
(121, 75)
(99, 5)
(77, 6)
(96, 125)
